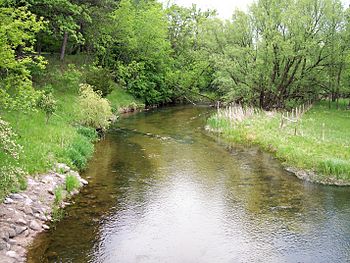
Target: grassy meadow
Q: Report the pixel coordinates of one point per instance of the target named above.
(322, 142)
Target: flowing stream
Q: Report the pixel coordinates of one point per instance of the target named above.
(163, 190)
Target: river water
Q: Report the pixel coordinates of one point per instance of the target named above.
(163, 190)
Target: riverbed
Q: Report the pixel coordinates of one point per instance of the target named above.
(161, 189)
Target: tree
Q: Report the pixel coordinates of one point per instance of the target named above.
(17, 30)
(267, 57)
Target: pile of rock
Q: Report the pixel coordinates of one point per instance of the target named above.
(24, 215)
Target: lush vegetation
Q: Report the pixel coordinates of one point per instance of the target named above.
(124, 49)
(321, 144)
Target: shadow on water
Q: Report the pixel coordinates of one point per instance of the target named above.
(162, 190)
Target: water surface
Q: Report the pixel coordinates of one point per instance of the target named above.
(163, 190)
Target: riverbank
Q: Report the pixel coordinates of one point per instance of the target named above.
(319, 152)
(24, 215)
(29, 202)
(61, 139)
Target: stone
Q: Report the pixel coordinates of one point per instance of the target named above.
(28, 210)
(62, 168)
(16, 196)
(51, 191)
(21, 221)
(40, 216)
(37, 209)
(3, 245)
(12, 233)
(28, 201)
(8, 201)
(83, 181)
(20, 229)
(74, 192)
(12, 254)
(34, 225)
(12, 242)
(4, 235)
(26, 233)
(46, 227)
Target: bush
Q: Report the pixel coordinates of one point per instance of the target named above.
(11, 176)
(95, 111)
(100, 79)
(47, 104)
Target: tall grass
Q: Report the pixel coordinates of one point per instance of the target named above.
(322, 143)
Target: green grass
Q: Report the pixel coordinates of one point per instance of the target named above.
(72, 183)
(62, 139)
(120, 99)
(322, 143)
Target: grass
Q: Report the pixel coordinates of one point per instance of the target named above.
(62, 139)
(120, 99)
(72, 183)
(322, 143)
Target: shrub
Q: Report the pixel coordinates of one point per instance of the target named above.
(11, 176)
(72, 183)
(95, 111)
(100, 79)
(47, 104)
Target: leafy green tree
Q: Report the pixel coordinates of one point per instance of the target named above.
(17, 31)
(268, 58)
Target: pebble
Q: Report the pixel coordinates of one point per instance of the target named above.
(16, 196)
(12, 233)
(3, 245)
(8, 201)
(83, 181)
(46, 227)
(34, 225)
(20, 229)
(12, 254)
(21, 221)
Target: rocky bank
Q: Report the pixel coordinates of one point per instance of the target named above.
(24, 215)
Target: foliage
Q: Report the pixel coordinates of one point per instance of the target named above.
(11, 174)
(72, 183)
(100, 79)
(267, 57)
(47, 104)
(138, 50)
(80, 151)
(89, 133)
(18, 27)
(94, 111)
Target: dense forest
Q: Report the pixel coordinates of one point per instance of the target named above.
(278, 54)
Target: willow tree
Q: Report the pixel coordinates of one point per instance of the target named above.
(268, 57)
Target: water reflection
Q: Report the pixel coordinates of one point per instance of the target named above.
(162, 190)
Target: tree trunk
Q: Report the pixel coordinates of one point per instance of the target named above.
(261, 99)
(64, 45)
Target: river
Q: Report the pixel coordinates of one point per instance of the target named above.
(164, 190)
